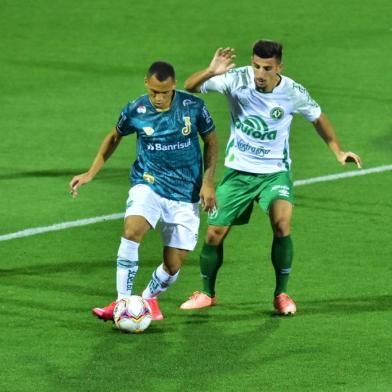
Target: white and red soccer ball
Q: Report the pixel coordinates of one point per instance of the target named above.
(132, 314)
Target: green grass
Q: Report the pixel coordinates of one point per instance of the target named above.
(67, 70)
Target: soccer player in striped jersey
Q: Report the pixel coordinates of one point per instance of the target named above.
(167, 180)
(262, 103)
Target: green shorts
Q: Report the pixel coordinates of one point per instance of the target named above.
(239, 190)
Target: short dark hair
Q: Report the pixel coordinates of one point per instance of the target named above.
(267, 49)
(161, 70)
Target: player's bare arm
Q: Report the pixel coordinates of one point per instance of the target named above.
(325, 129)
(220, 63)
(207, 191)
(108, 146)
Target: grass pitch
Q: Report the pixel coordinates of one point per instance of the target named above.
(67, 70)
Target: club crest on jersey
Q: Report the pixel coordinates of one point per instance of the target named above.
(277, 113)
(148, 130)
(148, 178)
(141, 109)
(213, 212)
(187, 129)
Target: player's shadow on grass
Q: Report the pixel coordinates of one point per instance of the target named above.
(56, 267)
(228, 339)
(346, 305)
(328, 306)
(44, 310)
(43, 277)
(75, 317)
(192, 318)
(69, 173)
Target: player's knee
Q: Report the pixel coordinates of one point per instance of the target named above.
(281, 228)
(133, 234)
(215, 235)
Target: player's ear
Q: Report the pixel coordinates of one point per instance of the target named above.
(280, 69)
(146, 82)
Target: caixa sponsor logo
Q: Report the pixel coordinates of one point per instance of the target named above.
(169, 147)
(255, 127)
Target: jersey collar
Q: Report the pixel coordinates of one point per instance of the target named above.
(274, 90)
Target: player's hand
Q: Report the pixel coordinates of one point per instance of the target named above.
(345, 157)
(207, 197)
(222, 61)
(77, 182)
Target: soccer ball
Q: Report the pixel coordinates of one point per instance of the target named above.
(132, 314)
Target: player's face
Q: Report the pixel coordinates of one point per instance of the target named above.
(160, 93)
(266, 72)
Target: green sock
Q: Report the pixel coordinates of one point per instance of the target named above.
(211, 259)
(282, 258)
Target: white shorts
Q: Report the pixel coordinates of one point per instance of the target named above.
(179, 221)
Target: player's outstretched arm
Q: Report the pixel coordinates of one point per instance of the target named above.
(207, 191)
(106, 149)
(220, 63)
(325, 130)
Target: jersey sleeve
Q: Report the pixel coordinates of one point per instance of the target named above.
(305, 104)
(124, 123)
(227, 82)
(219, 83)
(205, 124)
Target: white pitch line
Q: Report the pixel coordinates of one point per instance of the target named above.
(105, 218)
(60, 226)
(333, 177)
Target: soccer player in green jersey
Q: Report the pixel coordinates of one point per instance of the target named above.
(167, 180)
(262, 102)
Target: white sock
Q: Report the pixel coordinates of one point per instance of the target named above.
(159, 282)
(127, 266)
